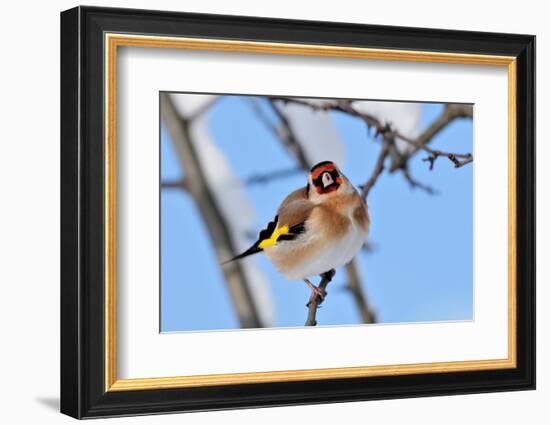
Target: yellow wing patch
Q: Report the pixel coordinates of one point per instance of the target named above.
(274, 236)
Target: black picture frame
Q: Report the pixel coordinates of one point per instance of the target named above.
(83, 392)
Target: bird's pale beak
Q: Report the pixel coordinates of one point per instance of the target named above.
(327, 181)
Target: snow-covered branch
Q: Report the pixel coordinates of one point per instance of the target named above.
(214, 191)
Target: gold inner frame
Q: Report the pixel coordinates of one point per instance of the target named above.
(113, 41)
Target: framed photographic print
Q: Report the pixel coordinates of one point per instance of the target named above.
(261, 212)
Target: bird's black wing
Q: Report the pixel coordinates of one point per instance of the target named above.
(293, 232)
(266, 233)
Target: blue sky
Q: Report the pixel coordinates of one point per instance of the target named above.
(420, 269)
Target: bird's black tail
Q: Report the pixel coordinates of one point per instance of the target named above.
(254, 249)
(250, 251)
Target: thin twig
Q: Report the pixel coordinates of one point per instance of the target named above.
(415, 184)
(287, 134)
(354, 286)
(451, 112)
(174, 184)
(316, 301)
(284, 131)
(255, 104)
(435, 153)
(378, 169)
(344, 106)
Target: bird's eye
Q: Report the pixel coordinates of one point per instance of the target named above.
(327, 179)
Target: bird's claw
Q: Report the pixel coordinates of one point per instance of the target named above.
(317, 293)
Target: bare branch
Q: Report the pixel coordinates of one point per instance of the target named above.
(451, 112)
(288, 136)
(174, 184)
(451, 156)
(434, 153)
(316, 301)
(378, 169)
(360, 297)
(344, 106)
(262, 116)
(415, 184)
(284, 131)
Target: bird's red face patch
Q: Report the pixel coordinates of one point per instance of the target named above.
(325, 177)
(320, 168)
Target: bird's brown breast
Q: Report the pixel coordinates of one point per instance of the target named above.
(361, 215)
(335, 214)
(328, 223)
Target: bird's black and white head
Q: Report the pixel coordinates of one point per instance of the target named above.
(325, 179)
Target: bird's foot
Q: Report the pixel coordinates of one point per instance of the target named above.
(316, 293)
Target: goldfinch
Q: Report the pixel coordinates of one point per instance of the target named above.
(317, 228)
